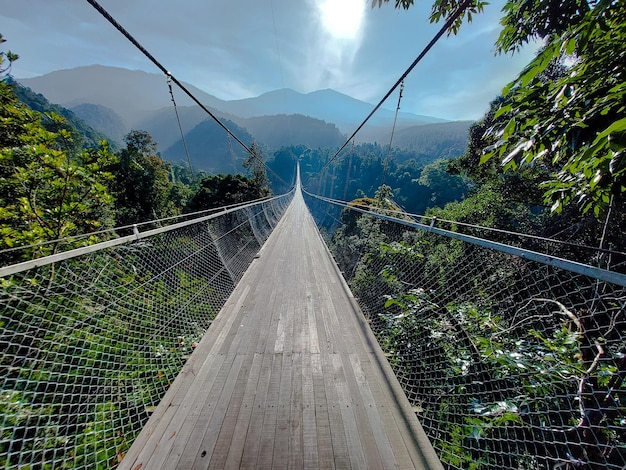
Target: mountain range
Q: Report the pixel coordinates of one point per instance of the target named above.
(115, 100)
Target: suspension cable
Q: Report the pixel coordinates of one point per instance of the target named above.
(232, 153)
(393, 129)
(136, 43)
(451, 19)
(398, 214)
(180, 127)
(345, 188)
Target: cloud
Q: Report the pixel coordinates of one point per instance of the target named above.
(333, 39)
(244, 48)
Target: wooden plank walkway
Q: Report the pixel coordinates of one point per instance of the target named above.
(289, 375)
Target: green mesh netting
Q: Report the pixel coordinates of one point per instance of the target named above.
(90, 344)
(509, 363)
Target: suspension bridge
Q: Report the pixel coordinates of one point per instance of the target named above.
(232, 340)
(235, 339)
(287, 376)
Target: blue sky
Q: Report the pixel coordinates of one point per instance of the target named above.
(242, 48)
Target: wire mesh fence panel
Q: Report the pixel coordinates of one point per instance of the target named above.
(90, 344)
(509, 362)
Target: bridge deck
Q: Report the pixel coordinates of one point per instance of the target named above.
(288, 375)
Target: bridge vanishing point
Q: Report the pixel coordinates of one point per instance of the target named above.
(289, 375)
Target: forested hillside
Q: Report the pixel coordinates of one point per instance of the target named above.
(115, 101)
(102, 118)
(210, 148)
(441, 140)
(87, 135)
(417, 181)
(61, 180)
(294, 129)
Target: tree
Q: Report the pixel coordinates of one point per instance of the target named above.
(527, 20)
(6, 56)
(254, 164)
(223, 190)
(283, 165)
(443, 9)
(576, 122)
(443, 185)
(49, 189)
(142, 181)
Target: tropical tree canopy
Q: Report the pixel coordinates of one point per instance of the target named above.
(574, 121)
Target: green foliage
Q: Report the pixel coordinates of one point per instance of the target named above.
(489, 207)
(255, 165)
(443, 9)
(358, 234)
(360, 172)
(48, 188)
(8, 56)
(528, 20)
(106, 364)
(83, 135)
(544, 382)
(223, 190)
(514, 200)
(575, 122)
(568, 125)
(444, 186)
(142, 183)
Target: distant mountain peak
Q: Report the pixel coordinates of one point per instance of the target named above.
(137, 97)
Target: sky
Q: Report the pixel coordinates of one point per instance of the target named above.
(236, 49)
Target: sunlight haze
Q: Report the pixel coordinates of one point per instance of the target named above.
(242, 50)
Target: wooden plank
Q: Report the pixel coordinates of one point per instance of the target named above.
(269, 343)
(153, 448)
(402, 454)
(313, 336)
(337, 330)
(288, 312)
(259, 337)
(202, 445)
(199, 419)
(339, 445)
(190, 410)
(216, 335)
(229, 396)
(292, 323)
(187, 410)
(244, 419)
(280, 457)
(368, 429)
(329, 452)
(255, 426)
(288, 376)
(220, 433)
(268, 434)
(295, 456)
(279, 342)
(356, 447)
(230, 338)
(381, 434)
(309, 428)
